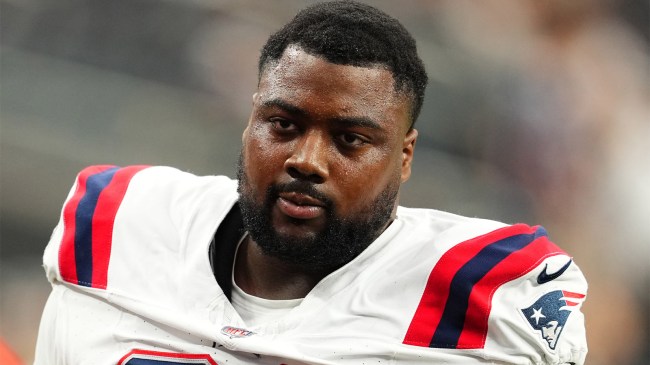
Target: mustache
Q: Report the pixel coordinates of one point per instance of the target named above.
(302, 187)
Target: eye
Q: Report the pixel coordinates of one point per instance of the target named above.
(352, 139)
(282, 125)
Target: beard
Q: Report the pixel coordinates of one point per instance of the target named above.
(339, 241)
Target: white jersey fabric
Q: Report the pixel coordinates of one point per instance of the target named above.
(132, 284)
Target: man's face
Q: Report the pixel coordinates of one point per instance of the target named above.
(550, 332)
(324, 153)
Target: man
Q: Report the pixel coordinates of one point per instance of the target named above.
(306, 258)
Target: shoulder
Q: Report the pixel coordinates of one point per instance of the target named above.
(113, 179)
(142, 188)
(474, 241)
(110, 208)
(493, 286)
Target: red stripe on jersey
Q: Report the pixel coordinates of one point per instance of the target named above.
(67, 263)
(514, 266)
(160, 356)
(432, 304)
(103, 220)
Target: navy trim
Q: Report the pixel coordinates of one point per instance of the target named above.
(223, 247)
(453, 318)
(83, 239)
(138, 361)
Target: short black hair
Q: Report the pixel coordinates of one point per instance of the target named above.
(351, 33)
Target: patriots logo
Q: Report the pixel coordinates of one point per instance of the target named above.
(549, 313)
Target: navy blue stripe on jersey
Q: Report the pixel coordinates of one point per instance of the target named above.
(158, 362)
(83, 239)
(453, 318)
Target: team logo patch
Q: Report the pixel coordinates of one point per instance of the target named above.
(550, 312)
(236, 332)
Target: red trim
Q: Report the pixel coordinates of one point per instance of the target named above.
(570, 295)
(429, 312)
(67, 264)
(166, 355)
(103, 220)
(517, 264)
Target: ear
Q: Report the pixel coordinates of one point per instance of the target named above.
(250, 118)
(408, 148)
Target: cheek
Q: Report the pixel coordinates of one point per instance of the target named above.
(362, 182)
(262, 157)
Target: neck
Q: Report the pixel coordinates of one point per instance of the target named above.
(269, 277)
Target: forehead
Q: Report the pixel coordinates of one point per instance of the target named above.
(313, 83)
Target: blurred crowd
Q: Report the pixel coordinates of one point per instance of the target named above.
(537, 111)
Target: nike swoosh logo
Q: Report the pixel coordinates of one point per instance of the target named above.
(544, 277)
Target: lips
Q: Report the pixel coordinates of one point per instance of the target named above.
(300, 206)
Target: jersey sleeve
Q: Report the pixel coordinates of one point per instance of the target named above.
(120, 231)
(46, 351)
(509, 295)
(82, 240)
(540, 313)
(78, 329)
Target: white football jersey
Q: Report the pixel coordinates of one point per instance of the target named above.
(133, 284)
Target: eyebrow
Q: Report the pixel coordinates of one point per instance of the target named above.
(289, 108)
(345, 121)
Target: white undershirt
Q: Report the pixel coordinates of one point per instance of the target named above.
(254, 310)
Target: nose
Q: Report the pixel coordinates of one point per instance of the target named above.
(309, 159)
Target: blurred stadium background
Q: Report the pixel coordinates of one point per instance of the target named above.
(537, 111)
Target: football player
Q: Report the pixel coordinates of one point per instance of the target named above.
(306, 258)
